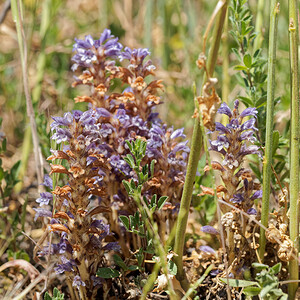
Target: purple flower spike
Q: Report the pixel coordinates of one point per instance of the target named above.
(207, 249)
(209, 229)
(225, 110)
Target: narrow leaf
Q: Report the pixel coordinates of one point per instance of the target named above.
(107, 273)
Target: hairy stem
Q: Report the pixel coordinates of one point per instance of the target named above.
(196, 147)
(294, 141)
(267, 162)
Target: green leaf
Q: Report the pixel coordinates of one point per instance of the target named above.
(129, 146)
(240, 68)
(132, 184)
(127, 186)
(152, 167)
(251, 291)
(130, 160)
(133, 223)
(161, 202)
(125, 222)
(153, 200)
(172, 267)
(268, 289)
(276, 268)
(259, 266)
(238, 283)
(107, 273)
(47, 296)
(133, 268)
(57, 295)
(119, 261)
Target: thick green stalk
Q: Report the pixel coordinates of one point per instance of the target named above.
(294, 141)
(259, 24)
(267, 172)
(194, 157)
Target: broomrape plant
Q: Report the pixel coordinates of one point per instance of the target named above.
(86, 208)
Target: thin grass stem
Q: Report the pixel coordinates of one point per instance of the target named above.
(294, 143)
(267, 162)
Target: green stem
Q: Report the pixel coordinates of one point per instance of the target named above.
(151, 226)
(196, 147)
(294, 143)
(267, 162)
(225, 66)
(259, 24)
(150, 281)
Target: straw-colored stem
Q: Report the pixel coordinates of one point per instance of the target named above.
(267, 162)
(196, 147)
(294, 143)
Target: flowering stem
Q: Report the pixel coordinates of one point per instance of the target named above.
(196, 147)
(294, 141)
(269, 125)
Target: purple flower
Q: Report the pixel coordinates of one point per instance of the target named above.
(248, 125)
(137, 54)
(66, 266)
(178, 133)
(251, 211)
(44, 198)
(220, 127)
(225, 110)
(221, 142)
(102, 226)
(48, 182)
(250, 111)
(41, 212)
(207, 249)
(112, 246)
(61, 135)
(209, 229)
(78, 282)
(237, 198)
(257, 195)
(88, 50)
(66, 120)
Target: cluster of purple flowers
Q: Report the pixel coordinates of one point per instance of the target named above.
(232, 142)
(240, 187)
(93, 145)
